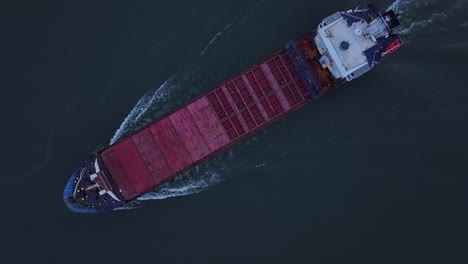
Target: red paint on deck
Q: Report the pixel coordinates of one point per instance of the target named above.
(171, 145)
(189, 134)
(257, 110)
(133, 166)
(248, 101)
(208, 124)
(281, 69)
(229, 102)
(152, 155)
(113, 166)
(240, 106)
(282, 99)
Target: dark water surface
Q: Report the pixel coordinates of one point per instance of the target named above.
(377, 172)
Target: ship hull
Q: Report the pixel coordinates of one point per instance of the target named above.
(209, 124)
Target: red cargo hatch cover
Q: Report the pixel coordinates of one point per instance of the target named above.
(169, 146)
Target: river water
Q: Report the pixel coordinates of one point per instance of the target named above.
(376, 172)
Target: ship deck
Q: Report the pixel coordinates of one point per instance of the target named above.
(212, 122)
(312, 54)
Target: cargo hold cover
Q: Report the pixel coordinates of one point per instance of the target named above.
(205, 126)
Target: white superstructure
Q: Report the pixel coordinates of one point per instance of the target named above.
(342, 40)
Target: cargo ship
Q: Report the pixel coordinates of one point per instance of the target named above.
(344, 46)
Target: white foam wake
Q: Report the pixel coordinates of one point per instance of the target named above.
(185, 185)
(196, 180)
(403, 6)
(420, 16)
(406, 8)
(422, 24)
(215, 38)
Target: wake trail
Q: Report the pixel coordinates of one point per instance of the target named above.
(427, 16)
(215, 38)
(155, 97)
(186, 184)
(195, 180)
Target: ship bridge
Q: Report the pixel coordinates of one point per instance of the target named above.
(349, 40)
